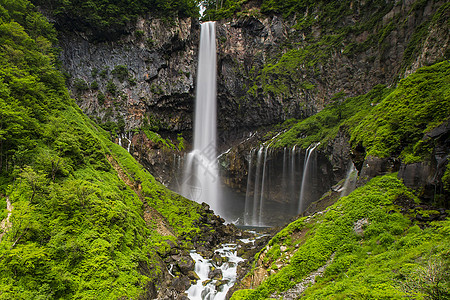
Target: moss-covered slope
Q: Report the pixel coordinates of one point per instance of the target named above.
(385, 121)
(85, 221)
(366, 246)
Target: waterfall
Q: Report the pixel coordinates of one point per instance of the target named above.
(121, 138)
(201, 176)
(256, 188)
(350, 180)
(247, 194)
(306, 175)
(261, 200)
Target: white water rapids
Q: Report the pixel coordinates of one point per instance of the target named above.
(209, 289)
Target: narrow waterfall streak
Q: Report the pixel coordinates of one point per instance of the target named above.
(248, 199)
(261, 200)
(350, 180)
(201, 174)
(256, 188)
(292, 180)
(305, 176)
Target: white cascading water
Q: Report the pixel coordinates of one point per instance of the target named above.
(201, 176)
(305, 177)
(350, 180)
(212, 289)
(257, 188)
(247, 213)
(263, 184)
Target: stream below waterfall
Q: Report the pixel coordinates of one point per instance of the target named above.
(223, 272)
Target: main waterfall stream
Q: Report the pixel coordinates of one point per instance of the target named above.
(201, 175)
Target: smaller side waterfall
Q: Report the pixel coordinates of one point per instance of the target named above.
(306, 175)
(123, 137)
(263, 184)
(247, 212)
(257, 188)
(350, 180)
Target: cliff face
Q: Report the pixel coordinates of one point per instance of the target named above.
(270, 68)
(267, 65)
(145, 77)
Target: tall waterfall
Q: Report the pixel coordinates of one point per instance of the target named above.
(201, 176)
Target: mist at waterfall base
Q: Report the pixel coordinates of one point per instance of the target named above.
(282, 183)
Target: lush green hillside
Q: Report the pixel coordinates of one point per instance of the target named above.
(369, 244)
(385, 121)
(83, 222)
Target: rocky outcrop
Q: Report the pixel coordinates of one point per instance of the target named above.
(144, 78)
(426, 177)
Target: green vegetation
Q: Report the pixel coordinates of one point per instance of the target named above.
(108, 19)
(78, 225)
(223, 9)
(386, 122)
(419, 103)
(381, 262)
(159, 141)
(121, 72)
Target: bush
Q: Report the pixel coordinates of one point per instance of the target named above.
(120, 72)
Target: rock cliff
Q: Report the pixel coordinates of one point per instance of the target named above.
(270, 68)
(274, 67)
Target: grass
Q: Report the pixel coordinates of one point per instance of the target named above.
(372, 265)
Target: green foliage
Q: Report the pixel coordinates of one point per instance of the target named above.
(419, 103)
(101, 98)
(323, 126)
(159, 141)
(80, 85)
(78, 230)
(446, 178)
(111, 88)
(223, 9)
(361, 266)
(94, 85)
(386, 122)
(108, 19)
(121, 72)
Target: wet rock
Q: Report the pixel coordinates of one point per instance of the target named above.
(374, 166)
(180, 284)
(193, 276)
(217, 259)
(215, 274)
(358, 226)
(186, 264)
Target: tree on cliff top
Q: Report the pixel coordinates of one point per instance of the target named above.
(108, 19)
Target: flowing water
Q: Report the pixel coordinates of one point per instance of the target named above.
(201, 176)
(207, 288)
(306, 175)
(350, 180)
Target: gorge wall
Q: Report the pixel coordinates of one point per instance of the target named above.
(268, 65)
(271, 68)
